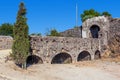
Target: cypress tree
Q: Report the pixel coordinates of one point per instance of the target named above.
(20, 48)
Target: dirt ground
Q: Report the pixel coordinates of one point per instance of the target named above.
(87, 70)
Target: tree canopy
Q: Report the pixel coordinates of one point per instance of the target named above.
(6, 29)
(53, 32)
(87, 14)
(106, 14)
(35, 34)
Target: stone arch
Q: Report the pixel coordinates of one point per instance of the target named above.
(94, 29)
(84, 56)
(34, 59)
(62, 58)
(97, 54)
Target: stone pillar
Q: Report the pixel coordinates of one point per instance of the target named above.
(74, 59)
(92, 56)
(84, 34)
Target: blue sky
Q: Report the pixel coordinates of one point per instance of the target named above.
(44, 15)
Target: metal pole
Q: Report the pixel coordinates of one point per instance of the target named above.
(76, 15)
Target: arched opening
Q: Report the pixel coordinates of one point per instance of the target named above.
(33, 59)
(62, 58)
(84, 56)
(95, 31)
(97, 54)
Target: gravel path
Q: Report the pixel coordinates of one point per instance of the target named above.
(71, 72)
(3, 78)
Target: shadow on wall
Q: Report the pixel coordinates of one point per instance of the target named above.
(33, 59)
(97, 55)
(95, 31)
(62, 58)
(84, 56)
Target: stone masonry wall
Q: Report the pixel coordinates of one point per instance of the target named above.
(102, 22)
(48, 47)
(6, 42)
(114, 27)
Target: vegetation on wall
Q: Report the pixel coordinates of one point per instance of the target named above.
(106, 14)
(20, 48)
(87, 14)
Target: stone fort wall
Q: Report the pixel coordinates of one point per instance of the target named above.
(6, 42)
(48, 47)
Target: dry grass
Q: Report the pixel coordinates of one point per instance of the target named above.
(85, 64)
(116, 59)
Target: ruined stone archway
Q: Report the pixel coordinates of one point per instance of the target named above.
(97, 54)
(62, 58)
(84, 56)
(94, 31)
(33, 59)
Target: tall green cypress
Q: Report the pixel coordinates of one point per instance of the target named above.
(20, 48)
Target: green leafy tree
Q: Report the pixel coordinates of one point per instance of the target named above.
(53, 32)
(35, 34)
(106, 14)
(6, 29)
(20, 48)
(87, 14)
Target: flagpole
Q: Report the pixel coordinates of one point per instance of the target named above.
(76, 15)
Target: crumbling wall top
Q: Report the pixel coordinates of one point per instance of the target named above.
(101, 21)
